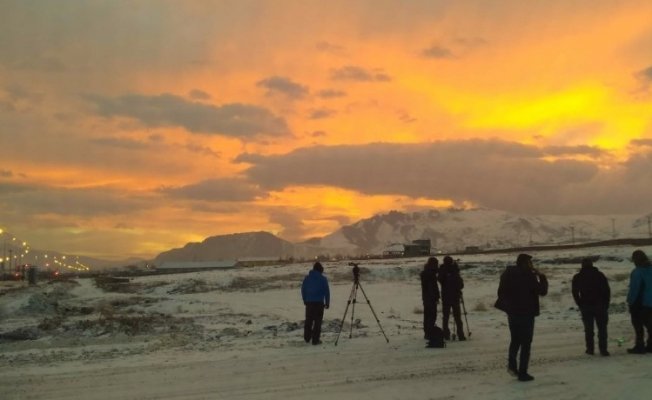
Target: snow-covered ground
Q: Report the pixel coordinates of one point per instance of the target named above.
(237, 334)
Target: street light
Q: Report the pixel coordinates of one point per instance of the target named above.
(4, 249)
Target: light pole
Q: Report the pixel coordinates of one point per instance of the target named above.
(4, 249)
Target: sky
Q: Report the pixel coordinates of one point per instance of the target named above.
(129, 128)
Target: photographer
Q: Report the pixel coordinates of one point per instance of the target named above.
(451, 294)
(430, 297)
(316, 297)
(592, 295)
(518, 295)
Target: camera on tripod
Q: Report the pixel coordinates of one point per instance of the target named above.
(352, 301)
(356, 271)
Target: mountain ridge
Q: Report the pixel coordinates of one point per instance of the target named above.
(451, 230)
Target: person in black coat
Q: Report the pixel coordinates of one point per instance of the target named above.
(430, 296)
(592, 295)
(518, 295)
(451, 294)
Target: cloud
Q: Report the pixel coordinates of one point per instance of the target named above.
(235, 119)
(293, 227)
(284, 86)
(34, 200)
(359, 74)
(5, 173)
(330, 48)
(646, 73)
(491, 173)
(436, 51)
(216, 190)
(331, 93)
(204, 150)
(641, 142)
(197, 94)
(122, 143)
(321, 113)
(574, 150)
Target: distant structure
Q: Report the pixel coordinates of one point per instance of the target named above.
(258, 261)
(473, 249)
(192, 266)
(416, 248)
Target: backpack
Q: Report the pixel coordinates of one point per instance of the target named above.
(437, 338)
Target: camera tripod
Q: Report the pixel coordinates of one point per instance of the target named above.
(352, 300)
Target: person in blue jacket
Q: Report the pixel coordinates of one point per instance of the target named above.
(316, 297)
(639, 299)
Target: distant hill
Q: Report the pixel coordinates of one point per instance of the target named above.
(230, 247)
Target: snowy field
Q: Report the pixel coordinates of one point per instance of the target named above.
(237, 334)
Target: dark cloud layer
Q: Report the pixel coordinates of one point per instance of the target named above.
(216, 190)
(237, 120)
(574, 150)
(491, 173)
(284, 86)
(34, 200)
(359, 74)
(647, 73)
(122, 143)
(321, 113)
(436, 51)
(331, 93)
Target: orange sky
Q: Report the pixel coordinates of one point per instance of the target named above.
(128, 129)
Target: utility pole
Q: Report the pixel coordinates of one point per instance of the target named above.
(572, 234)
(613, 228)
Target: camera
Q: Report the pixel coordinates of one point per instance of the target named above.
(356, 271)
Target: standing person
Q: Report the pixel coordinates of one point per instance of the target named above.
(316, 297)
(518, 295)
(451, 294)
(592, 295)
(430, 297)
(639, 299)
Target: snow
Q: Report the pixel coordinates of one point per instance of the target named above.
(237, 334)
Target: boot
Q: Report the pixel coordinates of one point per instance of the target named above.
(525, 377)
(637, 350)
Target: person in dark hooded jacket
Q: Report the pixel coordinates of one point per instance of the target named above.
(316, 296)
(451, 294)
(592, 295)
(430, 296)
(639, 299)
(518, 295)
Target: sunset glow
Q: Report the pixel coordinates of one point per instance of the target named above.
(128, 129)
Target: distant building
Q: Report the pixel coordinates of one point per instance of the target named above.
(191, 266)
(394, 250)
(417, 248)
(472, 249)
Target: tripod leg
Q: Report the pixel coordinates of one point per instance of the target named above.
(373, 312)
(468, 330)
(355, 294)
(351, 296)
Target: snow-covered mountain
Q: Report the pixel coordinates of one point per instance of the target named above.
(455, 229)
(449, 230)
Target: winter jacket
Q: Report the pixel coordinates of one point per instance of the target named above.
(640, 287)
(451, 283)
(519, 291)
(429, 288)
(315, 288)
(591, 288)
